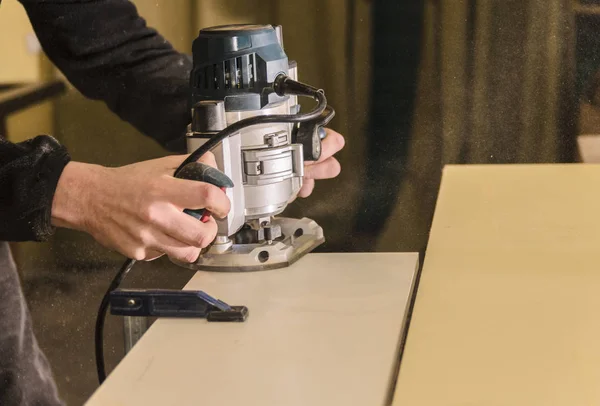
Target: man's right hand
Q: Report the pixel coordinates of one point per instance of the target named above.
(138, 209)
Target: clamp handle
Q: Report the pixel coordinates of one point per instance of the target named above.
(203, 173)
(173, 303)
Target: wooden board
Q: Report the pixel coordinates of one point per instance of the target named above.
(325, 331)
(507, 310)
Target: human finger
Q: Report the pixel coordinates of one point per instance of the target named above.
(307, 188)
(328, 169)
(190, 194)
(173, 248)
(331, 145)
(185, 228)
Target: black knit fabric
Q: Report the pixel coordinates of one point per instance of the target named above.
(29, 172)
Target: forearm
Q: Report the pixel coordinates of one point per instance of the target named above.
(76, 188)
(29, 173)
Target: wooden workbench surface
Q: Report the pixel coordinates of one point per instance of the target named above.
(508, 306)
(325, 331)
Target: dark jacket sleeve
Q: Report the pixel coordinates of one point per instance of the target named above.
(29, 173)
(107, 52)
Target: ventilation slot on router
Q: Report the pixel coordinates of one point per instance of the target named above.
(238, 72)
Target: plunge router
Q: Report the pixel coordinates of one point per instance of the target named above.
(245, 110)
(234, 77)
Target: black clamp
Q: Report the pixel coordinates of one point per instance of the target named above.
(173, 303)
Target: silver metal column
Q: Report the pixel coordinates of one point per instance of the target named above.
(133, 329)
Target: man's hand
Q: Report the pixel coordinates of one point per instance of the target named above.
(138, 209)
(326, 167)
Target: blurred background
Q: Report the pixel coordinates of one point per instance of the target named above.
(415, 84)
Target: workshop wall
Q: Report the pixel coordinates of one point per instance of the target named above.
(17, 42)
(25, 62)
(496, 85)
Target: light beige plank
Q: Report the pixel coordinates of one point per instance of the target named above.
(507, 307)
(324, 332)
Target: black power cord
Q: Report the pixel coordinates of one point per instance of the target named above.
(99, 332)
(282, 85)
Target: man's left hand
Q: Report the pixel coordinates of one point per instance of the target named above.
(326, 167)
